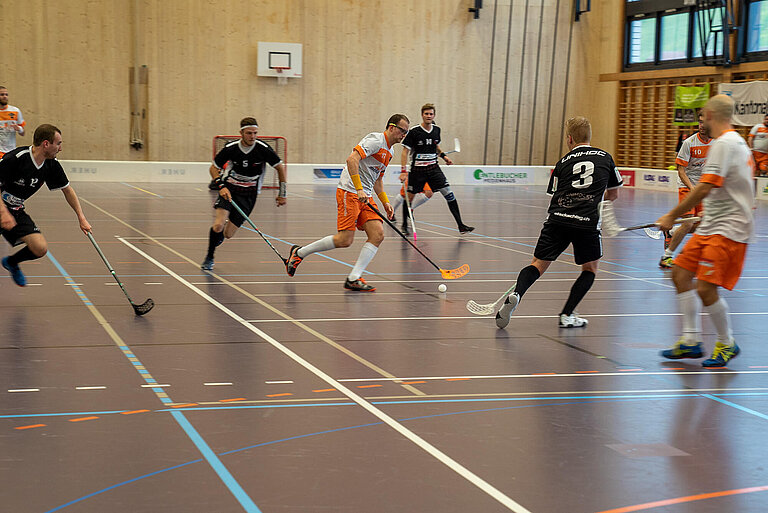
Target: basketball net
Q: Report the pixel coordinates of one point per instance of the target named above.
(281, 78)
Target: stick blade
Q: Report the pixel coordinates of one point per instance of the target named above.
(479, 309)
(455, 274)
(457, 145)
(609, 225)
(143, 308)
(654, 234)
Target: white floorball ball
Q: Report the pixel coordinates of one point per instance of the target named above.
(442, 287)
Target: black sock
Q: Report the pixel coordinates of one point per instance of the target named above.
(578, 291)
(453, 206)
(406, 214)
(21, 255)
(214, 239)
(526, 278)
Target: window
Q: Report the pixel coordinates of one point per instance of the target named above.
(708, 23)
(642, 40)
(674, 37)
(757, 30)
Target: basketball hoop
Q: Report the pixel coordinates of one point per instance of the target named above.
(282, 78)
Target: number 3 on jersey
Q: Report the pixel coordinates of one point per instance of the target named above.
(582, 173)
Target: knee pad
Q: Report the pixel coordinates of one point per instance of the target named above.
(447, 193)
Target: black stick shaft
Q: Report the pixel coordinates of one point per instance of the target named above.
(106, 262)
(240, 211)
(391, 225)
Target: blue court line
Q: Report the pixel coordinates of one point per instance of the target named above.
(318, 433)
(737, 406)
(226, 477)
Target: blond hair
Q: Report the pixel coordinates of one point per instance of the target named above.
(580, 129)
(721, 107)
(427, 106)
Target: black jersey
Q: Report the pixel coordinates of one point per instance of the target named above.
(20, 177)
(243, 169)
(422, 145)
(577, 186)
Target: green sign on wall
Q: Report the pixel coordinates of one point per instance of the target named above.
(688, 101)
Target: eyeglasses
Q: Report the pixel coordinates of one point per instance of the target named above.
(403, 130)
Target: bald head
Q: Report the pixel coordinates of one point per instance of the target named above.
(721, 107)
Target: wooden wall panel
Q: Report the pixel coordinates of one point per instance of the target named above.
(363, 60)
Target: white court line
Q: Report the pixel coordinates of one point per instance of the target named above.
(217, 384)
(445, 318)
(158, 385)
(24, 390)
(278, 382)
(486, 487)
(100, 387)
(152, 283)
(565, 375)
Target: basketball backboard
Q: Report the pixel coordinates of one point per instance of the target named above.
(282, 60)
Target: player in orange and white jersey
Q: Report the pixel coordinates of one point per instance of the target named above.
(758, 141)
(11, 123)
(690, 161)
(715, 254)
(362, 176)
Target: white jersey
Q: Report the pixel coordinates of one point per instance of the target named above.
(759, 136)
(375, 153)
(692, 156)
(9, 116)
(728, 206)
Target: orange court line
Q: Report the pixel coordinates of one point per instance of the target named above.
(673, 368)
(368, 386)
(585, 372)
(457, 379)
(544, 374)
(132, 412)
(412, 382)
(629, 370)
(279, 395)
(690, 498)
(183, 405)
(236, 399)
(82, 419)
(324, 390)
(30, 426)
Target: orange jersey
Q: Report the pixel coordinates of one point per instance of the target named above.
(375, 153)
(759, 137)
(9, 116)
(692, 155)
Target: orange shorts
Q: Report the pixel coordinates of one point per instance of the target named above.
(761, 159)
(427, 189)
(350, 213)
(714, 259)
(682, 192)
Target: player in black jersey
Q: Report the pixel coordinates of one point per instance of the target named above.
(23, 172)
(580, 181)
(423, 145)
(237, 170)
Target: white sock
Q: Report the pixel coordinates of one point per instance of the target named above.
(690, 306)
(366, 255)
(324, 244)
(420, 199)
(397, 203)
(718, 312)
(669, 253)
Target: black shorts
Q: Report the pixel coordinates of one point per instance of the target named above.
(555, 238)
(432, 175)
(246, 202)
(24, 226)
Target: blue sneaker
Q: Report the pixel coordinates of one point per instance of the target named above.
(722, 354)
(207, 264)
(18, 276)
(681, 350)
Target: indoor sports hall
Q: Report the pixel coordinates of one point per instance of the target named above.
(242, 388)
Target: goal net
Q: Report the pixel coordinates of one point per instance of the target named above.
(277, 143)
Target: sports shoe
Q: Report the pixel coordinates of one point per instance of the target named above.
(465, 229)
(572, 321)
(666, 262)
(505, 312)
(682, 350)
(18, 276)
(404, 227)
(207, 264)
(722, 355)
(358, 285)
(293, 260)
(667, 238)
